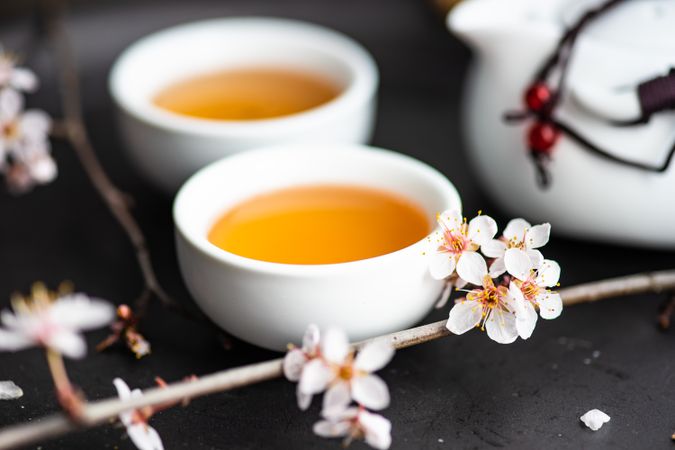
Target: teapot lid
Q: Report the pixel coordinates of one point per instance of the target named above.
(647, 24)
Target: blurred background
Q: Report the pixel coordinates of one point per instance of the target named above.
(468, 393)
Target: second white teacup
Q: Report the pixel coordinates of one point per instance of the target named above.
(167, 147)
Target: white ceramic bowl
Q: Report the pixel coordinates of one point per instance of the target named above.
(167, 148)
(271, 304)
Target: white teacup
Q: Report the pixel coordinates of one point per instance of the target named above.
(167, 147)
(271, 304)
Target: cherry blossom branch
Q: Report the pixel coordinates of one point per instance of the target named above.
(72, 128)
(98, 412)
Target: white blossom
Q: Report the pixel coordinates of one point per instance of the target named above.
(53, 324)
(24, 144)
(489, 306)
(457, 239)
(135, 421)
(594, 419)
(356, 423)
(347, 377)
(518, 234)
(297, 358)
(15, 77)
(529, 289)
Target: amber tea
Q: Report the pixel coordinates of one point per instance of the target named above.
(247, 94)
(320, 224)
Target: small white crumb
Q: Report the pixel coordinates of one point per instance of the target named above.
(9, 390)
(596, 354)
(441, 440)
(594, 419)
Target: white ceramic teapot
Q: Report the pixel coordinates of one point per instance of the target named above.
(589, 196)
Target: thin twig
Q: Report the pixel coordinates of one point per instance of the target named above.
(99, 412)
(73, 129)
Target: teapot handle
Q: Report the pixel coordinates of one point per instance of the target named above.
(628, 105)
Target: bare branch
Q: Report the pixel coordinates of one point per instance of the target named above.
(72, 128)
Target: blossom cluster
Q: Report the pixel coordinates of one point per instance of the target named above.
(25, 153)
(506, 295)
(328, 363)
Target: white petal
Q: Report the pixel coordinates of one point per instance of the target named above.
(516, 229)
(594, 419)
(310, 341)
(516, 295)
(10, 391)
(377, 430)
(441, 264)
(451, 219)
(497, 267)
(548, 274)
(526, 315)
(68, 343)
(11, 103)
(538, 235)
(12, 341)
(459, 283)
(472, 268)
(155, 439)
(374, 356)
(518, 263)
(464, 316)
(550, 305)
(23, 79)
(493, 248)
(304, 400)
(482, 229)
(78, 311)
(315, 377)
(43, 169)
(335, 345)
(536, 257)
(328, 429)
(123, 391)
(294, 361)
(35, 125)
(144, 437)
(370, 391)
(501, 327)
(336, 400)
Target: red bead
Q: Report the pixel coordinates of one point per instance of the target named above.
(537, 97)
(542, 136)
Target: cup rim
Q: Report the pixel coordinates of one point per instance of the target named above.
(361, 88)
(438, 181)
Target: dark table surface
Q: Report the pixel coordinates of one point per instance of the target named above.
(465, 392)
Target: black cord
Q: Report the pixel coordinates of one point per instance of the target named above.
(561, 58)
(580, 139)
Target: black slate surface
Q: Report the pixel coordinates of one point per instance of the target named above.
(459, 392)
